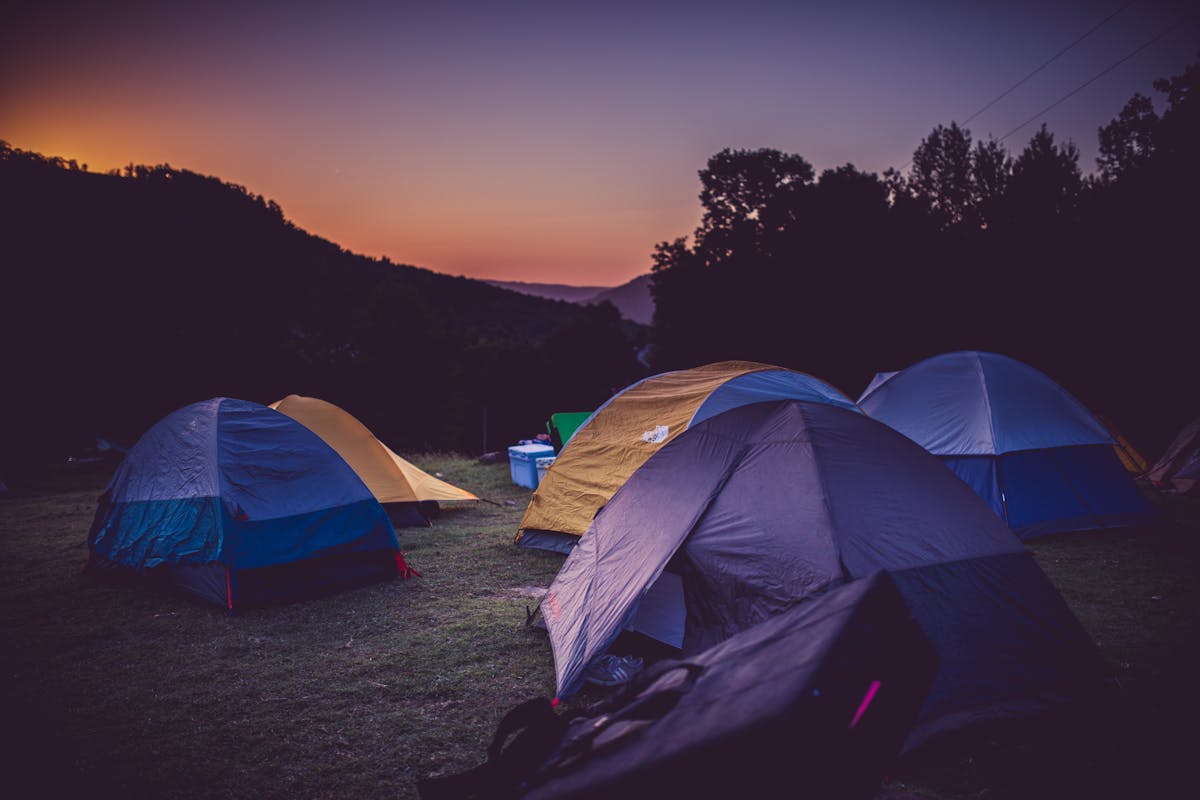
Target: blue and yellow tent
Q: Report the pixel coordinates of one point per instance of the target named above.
(238, 505)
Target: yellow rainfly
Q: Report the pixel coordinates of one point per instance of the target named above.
(389, 477)
(607, 449)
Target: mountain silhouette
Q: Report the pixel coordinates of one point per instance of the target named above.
(632, 299)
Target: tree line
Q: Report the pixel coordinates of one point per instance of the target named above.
(136, 292)
(1086, 277)
(132, 293)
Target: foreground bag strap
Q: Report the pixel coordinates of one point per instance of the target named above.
(606, 723)
(538, 731)
(546, 742)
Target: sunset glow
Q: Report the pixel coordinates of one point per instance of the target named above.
(545, 141)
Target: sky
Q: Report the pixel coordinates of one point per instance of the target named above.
(551, 141)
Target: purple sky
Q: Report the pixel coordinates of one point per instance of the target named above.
(548, 141)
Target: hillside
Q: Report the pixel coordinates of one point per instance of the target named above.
(552, 291)
(632, 299)
(136, 293)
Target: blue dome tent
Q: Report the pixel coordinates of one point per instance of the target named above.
(239, 505)
(1037, 455)
(765, 506)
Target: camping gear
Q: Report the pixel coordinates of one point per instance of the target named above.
(562, 426)
(1179, 468)
(411, 493)
(634, 424)
(769, 504)
(819, 697)
(612, 670)
(240, 505)
(522, 463)
(1040, 459)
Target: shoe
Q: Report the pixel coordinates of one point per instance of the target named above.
(610, 670)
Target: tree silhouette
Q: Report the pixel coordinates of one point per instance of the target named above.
(941, 173)
(1127, 143)
(991, 169)
(850, 273)
(1046, 182)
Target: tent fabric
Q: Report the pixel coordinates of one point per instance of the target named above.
(635, 423)
(1030, 449)
(772, 503)
(877, 381)
(1179, 467)
(819, 697)
(971, 403)
(1131, 457)
(240, 486)
(389, 477)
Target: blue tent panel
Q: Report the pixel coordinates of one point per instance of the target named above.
(1070, 488)
(761, 387)
(183, 529)
(250, 544)
(1009, 643)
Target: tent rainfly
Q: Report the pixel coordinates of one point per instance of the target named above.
(389, 477)
(1040, 459)
(620, 435)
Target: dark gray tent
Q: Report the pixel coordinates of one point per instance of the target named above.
(766, 505)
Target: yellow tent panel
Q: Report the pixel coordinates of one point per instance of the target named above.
(638, 421)
(389, 477)
(1130, 457)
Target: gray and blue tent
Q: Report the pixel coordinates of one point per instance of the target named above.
(1031, 450)
(238, 505)
(764, 506)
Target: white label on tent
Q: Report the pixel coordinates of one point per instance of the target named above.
(659, 434)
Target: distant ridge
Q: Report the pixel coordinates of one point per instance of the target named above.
(632, 299)
(552, 291)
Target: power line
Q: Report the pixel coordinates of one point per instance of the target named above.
(1102, 73)
(1044, 64)
(1047, 63)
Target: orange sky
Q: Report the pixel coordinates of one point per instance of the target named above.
(542, 141)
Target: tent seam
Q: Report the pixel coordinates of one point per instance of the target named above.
(824, 484)
(987, 401)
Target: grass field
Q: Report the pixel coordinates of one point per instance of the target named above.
(114, 690)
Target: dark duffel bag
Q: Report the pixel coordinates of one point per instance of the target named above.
(812, 703)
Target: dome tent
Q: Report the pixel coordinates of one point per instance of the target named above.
(769, 504)
(389, 477)
(239, 505)
(1040, 459)
(620, 435)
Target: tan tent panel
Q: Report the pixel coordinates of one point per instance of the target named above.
(634, 424)
(389, 477)
(1130, 457)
